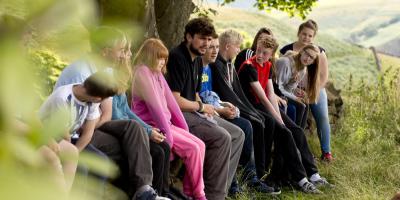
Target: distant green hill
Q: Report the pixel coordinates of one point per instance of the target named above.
(344, 58)
(364, 22)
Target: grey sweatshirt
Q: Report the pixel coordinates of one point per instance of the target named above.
(287, 76)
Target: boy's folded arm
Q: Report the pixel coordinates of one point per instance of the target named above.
(86, 133)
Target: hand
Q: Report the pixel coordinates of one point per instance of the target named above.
(228, 113)
(210, 116)
(156, 136)
(227, 104)
(281, 101)
(208, 109)
(54, 146)
(300, 100)
(67, 136)
(279, 119)
(299, 93)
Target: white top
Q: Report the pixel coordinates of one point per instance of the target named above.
(63, 98)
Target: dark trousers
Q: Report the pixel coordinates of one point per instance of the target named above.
(160, 156)
(246, 158)
(263, 137)
(307, 158)
(284, 146)
(247, 150)
(281, 169)
(132, 151)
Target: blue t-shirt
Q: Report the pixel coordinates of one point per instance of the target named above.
(206, 93)
(78, 71)
(206, 79)
(121, 111)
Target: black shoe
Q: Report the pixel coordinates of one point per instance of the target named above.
(235, 190)
(176, 194)
(149, 194)
(259, 186)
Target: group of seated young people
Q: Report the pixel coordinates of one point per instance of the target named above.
(192, 103)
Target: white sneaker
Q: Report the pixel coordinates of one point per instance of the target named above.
(162, 198)
(310, 188)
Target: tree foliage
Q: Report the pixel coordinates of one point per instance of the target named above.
(293, 7)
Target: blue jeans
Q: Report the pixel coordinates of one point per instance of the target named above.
(297, 112)
(320, 114)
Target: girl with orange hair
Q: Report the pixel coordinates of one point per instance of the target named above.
(152, 101)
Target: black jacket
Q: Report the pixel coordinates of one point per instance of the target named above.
(235, 94)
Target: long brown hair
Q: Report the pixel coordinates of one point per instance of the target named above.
(312, 72)
(257, 37)
(311, 24)
(151, 50)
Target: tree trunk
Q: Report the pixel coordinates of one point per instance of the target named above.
(150, 21)
(172, 16)
(122, 10)
(164, 19)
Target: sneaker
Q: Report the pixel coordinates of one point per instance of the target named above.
(322, 182)
(162, 198)
(310, 188)
(235, 190)
(149, 194)
(327, 157)
(174, 193)
(259, 186)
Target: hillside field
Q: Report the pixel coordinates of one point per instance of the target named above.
(345, 59)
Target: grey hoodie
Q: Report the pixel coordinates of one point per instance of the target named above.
(287, 77)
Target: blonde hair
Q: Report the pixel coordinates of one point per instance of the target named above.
(312, 71)
(151, 50)
(230, 37)
(106, 37)
(123, 74)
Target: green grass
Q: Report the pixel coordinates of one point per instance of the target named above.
(366, 145)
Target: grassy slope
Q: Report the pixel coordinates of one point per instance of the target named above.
(344, 58)
(365, 167)
(343, 18)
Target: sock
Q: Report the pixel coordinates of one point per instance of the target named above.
(302, 181)
(315, 177)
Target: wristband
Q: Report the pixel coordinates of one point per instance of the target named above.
(201, 107)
